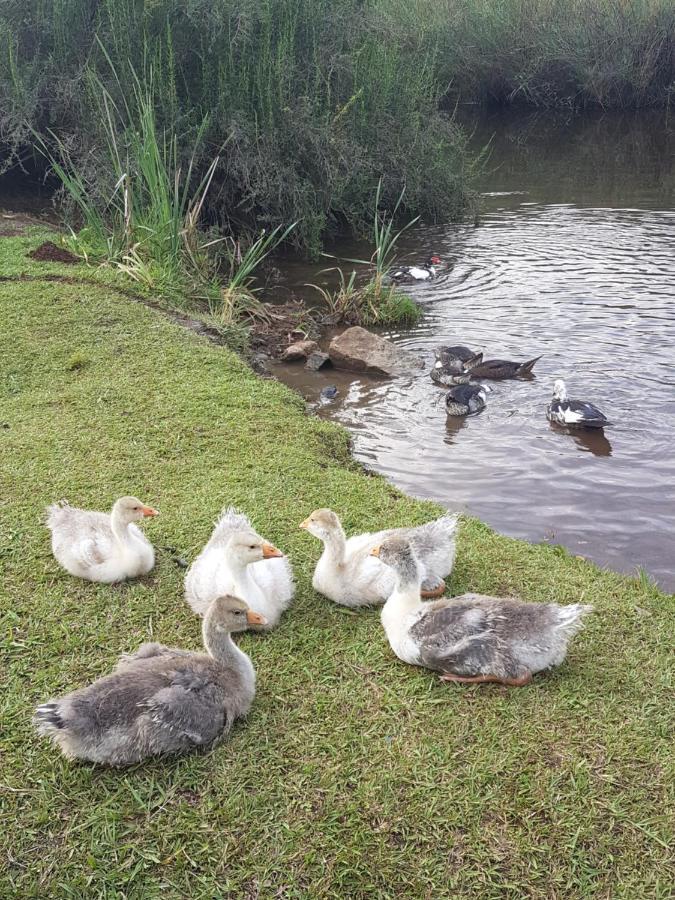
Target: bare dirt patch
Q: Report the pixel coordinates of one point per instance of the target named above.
(50, 252)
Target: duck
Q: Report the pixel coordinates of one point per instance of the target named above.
(501, 368)
(458, 353)
(237, 560)
(473, 638)
(98, 546)
(347, 574)
(406, 274)
(449, 374)
(573, 413)
(160, 699)
(465, 399)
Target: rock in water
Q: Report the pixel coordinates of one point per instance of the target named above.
(360, 350)
(299, 350)
(317, 360)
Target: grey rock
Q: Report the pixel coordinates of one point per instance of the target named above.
(317, 360)
(360, 350)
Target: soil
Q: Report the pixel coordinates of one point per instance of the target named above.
(282, 324)
(49, 252)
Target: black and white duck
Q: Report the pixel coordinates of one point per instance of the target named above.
(501, 368)
(465, 399)
(573, 413)
(457, 353)
(448, 375)
(407, 274)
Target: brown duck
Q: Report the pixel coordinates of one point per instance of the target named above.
(501, 368)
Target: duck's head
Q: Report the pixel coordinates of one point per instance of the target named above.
(246, 547)
(559, 390)
(322, 523)
(131, 509)
(433, 260)
(227, 614)
(398, 554)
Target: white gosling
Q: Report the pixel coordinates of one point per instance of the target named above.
(347, 574)
(159, 699)
(472, 638)
(99, 546)
(573, 413)
(236, 560)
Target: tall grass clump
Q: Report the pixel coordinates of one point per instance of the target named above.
(141, 208)
(377, 301)
(314, 99)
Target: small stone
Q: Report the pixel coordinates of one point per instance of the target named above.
(299, 350)
(328, 393)
(317, 360)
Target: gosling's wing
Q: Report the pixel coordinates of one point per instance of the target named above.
(454, 636)
(190, 709)
(148, 651)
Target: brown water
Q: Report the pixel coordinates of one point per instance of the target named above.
(574, 258)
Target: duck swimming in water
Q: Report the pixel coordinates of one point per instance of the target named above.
(573, 413)
(501, 368)
(407, 274)
(449, 375)
(465, 399)
(457, 353)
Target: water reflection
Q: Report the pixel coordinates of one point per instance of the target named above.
(587, 441)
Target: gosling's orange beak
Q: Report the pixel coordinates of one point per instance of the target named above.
(375, 551)
(270, 552)
(304, 524)
(254, 618)
(149, 511)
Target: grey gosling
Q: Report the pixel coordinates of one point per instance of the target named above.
(472, 638)
(159, 699)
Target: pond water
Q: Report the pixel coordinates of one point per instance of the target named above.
(574, 258)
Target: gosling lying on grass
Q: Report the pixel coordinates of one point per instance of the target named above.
(159, 699)
(98, 546)
(236, 560)
(348, 574)
(472, 638)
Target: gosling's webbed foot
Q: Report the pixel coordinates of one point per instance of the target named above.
(484, 679)
(432, 587)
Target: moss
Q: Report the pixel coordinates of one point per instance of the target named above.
(354, 775)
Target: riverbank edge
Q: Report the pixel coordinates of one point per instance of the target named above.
(300, 462)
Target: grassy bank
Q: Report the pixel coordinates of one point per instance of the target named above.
(354, 775)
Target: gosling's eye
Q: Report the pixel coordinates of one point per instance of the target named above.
(252, 547)
(238, 612)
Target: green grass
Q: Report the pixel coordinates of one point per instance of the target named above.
(354, 775)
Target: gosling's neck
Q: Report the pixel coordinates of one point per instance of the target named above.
(219, 644)
(335, 545)
(405, 597)
(119, 528)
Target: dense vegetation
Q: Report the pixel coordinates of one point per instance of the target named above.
(314, 100)
(354, 775)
